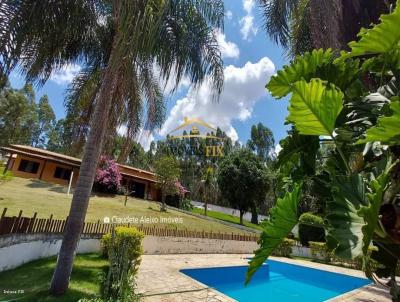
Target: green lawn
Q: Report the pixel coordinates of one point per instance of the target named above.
(226, 217)
(44, 198)
(34, 279)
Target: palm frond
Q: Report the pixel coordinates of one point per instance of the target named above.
(277, 16)
(187, 44)
(40, 36)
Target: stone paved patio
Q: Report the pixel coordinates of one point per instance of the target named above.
(159, 279)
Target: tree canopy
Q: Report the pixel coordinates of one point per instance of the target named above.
(242, 178)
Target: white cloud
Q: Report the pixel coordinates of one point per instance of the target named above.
(243, 87)
(145, 137)
(248, 6)
(228, 48)
(275, 151)
(229, 14)
(66, 74)
(247, 26)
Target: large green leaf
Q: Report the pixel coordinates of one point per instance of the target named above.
(370, 213)
(314, 107)
(303, 67)
(345, 224)
(382, 38)
(317, 64)
(387, 129)
(360, 115)
(283, 218)
(353, 213)
(304, 145)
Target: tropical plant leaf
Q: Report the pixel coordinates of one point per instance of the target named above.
(387, 129)
(317, 64)
(302, 67)
(305, 145)
(360, 115)
(370, 213)
(353, 213)
(344, 232)
(314, 107)
(382, 38)
(283, 219)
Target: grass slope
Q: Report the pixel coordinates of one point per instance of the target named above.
(34, 279)
(44, 198)
(226, 217)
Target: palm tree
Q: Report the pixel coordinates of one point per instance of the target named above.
(40, 36)
(141, 93)
(208, 186)
(301, 25)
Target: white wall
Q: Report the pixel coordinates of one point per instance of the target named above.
(180, 245)
(19, 249)
(19, 253)
(301, 251)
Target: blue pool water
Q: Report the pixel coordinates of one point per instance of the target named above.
(277, 281)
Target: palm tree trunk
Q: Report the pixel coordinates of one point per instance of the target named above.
(335, 23)
(325, 23)
(80, 201)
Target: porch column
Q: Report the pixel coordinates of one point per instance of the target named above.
(8, 163)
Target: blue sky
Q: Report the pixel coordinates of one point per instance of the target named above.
(250, 58)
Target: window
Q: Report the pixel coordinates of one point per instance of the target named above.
(62, 173)
(28, 166)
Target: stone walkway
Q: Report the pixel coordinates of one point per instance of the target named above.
(159, 279)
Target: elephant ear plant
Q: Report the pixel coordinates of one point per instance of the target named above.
(351, 102)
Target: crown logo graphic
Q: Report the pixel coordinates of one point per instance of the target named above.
(193, 123)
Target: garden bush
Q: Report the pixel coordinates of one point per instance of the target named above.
(310, 229)
(321, 252)
(123, 247)
(284, 249)
(186, 204)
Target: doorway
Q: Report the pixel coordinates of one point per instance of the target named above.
(138, 189)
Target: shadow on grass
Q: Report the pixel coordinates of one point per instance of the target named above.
(34, 279)
(39, 184)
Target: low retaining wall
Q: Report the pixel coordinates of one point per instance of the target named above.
(301, 251)
(181, 245)
(21, 248)
(18, 249)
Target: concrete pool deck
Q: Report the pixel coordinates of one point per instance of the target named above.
(159, 279)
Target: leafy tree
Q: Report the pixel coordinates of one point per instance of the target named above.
(261, 141)
(167, 173)
(56, 141)
(241, 179)
(46, 122)
(209, 186)
(131, 32)
(328, 97)
(18, 116)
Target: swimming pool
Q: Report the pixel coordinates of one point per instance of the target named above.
(277, 281)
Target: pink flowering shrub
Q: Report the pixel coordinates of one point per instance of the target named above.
(180, 189)
(108, 178)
